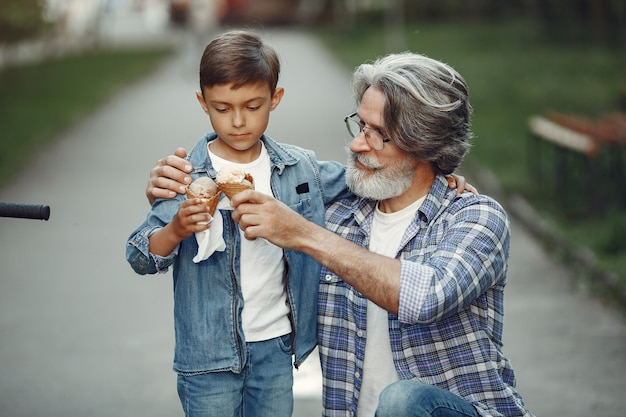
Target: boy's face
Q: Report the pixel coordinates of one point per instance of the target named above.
(239, 117)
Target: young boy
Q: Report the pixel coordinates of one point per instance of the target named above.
(241, 313)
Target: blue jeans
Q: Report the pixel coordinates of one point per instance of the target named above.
(262, 389)
(409, 398)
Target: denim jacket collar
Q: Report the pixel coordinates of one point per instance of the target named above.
(199, 156)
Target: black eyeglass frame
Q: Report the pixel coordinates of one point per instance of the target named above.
(362, 128)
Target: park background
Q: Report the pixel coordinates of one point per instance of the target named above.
(562, 60)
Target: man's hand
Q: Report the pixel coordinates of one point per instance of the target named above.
(260, 215)
(169, 176)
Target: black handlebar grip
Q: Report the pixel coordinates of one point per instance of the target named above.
(25, 211)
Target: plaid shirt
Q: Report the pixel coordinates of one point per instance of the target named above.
(448, 330)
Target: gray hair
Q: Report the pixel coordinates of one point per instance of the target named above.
(426, 111)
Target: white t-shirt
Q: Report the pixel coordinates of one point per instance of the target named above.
(265, 311)
(378, 368)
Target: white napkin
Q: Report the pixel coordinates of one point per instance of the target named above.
(211, 239)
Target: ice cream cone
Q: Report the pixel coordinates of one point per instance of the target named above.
(232, 188)
(210, 202)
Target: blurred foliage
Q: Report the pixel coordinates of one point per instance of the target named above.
(572, 20)
(514, 71)
(598, 20)
(20, 20)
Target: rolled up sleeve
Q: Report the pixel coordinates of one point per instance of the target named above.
(464, 257)
(139, 257)
(415, 282)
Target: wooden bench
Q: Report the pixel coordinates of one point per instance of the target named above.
(579, 163)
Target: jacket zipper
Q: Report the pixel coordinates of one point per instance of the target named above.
(240, 350)
(292, 317)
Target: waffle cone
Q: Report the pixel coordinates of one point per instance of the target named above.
(210, 202)
(231, 189)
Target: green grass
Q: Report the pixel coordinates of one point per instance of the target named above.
(513, 73)
(38, 101)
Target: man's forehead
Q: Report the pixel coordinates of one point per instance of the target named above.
(371, 107)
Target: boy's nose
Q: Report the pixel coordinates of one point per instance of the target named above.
(238, 119)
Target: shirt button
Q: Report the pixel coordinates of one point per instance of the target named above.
(357, 375)
(359, 333)
(328, 278)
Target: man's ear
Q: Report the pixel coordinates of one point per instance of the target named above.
(276, 97)
(200, 99)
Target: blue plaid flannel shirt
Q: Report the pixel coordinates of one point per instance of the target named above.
(448, 331)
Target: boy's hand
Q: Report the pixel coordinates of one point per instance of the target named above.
(192, 217)
(169, 176)
(458, 182)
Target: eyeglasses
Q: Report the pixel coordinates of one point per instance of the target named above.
(374, 138)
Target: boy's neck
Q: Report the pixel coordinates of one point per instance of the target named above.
(228, 153)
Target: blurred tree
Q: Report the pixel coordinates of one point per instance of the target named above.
(395, 26)
(20, 20)
(586, 20)
(601, 21)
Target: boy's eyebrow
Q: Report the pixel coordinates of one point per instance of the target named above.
(227, 103)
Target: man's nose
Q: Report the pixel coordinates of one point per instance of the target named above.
(359, 143)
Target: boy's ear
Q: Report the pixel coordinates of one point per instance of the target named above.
(278, 95)
(200, 99)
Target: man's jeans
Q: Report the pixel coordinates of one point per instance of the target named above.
(415, 399)
(263, 388)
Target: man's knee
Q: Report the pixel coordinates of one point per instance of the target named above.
(410, 398)
(400, 397)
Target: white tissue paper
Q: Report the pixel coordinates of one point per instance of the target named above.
(211, 239)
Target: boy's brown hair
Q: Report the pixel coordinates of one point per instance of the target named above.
(239, 57)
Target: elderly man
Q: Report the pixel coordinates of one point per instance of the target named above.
(410, 308)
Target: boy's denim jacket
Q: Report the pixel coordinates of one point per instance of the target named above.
(207, 295)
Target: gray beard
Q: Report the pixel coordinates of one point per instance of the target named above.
(384, 183)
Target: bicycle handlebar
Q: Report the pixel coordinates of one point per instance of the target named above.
(25, 211)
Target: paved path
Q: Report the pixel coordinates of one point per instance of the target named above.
(82, 335)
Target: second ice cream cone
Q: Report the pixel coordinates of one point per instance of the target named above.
(231, 189)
